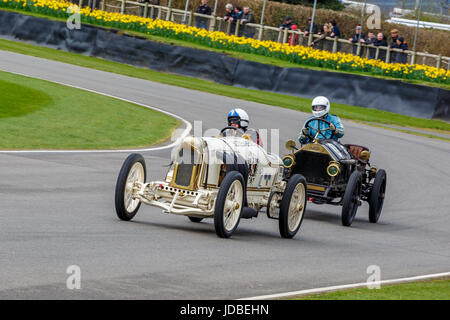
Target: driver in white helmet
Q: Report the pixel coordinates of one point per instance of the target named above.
(238, 118)
(321, 109)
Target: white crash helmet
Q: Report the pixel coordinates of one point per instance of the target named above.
(320, 106)
(240, 116)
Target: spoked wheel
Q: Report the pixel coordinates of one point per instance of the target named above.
(195, 219)
(377, 195)
(133, 170)
(293, 206)
(351, 199)
(229, 204)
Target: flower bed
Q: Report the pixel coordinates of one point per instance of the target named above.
(295, 54)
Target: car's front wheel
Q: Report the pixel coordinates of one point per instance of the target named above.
(229, 204)
(376, 198)
(133, 170)
(292, 206)
(351, 200)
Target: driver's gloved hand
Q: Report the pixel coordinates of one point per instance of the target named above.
(332, 127)
(305, 131)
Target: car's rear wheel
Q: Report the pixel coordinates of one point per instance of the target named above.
(376, 198)
(351, 199)
(229, 204)
(195, 219)
(133, 170)
(292, 206)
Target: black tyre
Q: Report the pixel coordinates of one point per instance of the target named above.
(377, 194)
(195, 219)
(350, 202)
(133, 170)
(292, 206)
(229, 204)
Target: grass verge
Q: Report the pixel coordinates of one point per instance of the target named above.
(269, 98)
(421, 290)
(37, 114)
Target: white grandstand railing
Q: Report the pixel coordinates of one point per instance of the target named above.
(422, 24)
(263, 32)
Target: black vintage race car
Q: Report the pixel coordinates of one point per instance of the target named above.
(337, 174)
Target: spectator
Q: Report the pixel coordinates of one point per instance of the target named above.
(321, 43)
(315, 28)
(293, 37)
(247, 17)
(205, 9)
(401, 57)
(238, 13)
(358, 36)
(287, 24)
(230, 15)
(381, 42)
(394, 36)
(336, 33)
(371, 41)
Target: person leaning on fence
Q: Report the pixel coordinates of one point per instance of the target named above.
(322, 43)
(247, 17)
(230, 16)
(238, 13)
(381, 41)
(358, 36)
(394, 36)
(401, 57)
(203, 8)
(315, 28)
(293, 37)
(287, 24)
(370, 41)
(335, 33)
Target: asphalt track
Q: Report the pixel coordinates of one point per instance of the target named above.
(57, 210)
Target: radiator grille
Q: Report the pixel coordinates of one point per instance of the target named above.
(313, 166)
(184, 174)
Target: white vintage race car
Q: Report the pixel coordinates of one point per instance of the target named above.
(225, 178)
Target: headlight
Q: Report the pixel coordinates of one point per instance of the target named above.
(288, 161)
(333, 169)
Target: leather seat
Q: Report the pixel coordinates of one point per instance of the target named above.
(356, 150)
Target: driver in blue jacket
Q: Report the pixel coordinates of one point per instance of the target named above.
(321, 109)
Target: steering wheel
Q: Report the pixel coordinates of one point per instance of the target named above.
(318, 131)
(229, 127)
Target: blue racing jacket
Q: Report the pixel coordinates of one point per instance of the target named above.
(330, 118)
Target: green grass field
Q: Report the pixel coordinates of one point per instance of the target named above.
(422, 290)
(269, 98)
(37, 114)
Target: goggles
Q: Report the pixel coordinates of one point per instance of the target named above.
(234, 120)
